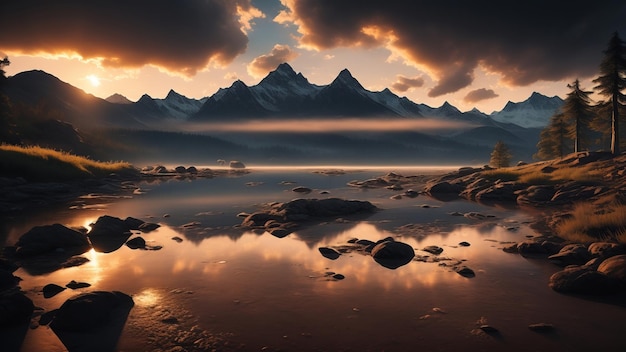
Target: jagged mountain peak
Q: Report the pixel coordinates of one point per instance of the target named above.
(345, 78)
(117, 98)
(285, 68)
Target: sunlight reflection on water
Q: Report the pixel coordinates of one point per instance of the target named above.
(277, 292)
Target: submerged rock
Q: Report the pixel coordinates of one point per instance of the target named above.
(581, 279)
(51, 290)
(329, 253)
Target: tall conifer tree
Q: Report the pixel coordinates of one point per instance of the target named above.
(611, 83)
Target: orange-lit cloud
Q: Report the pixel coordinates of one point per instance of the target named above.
(182, 36)
(402, 84)
(260, 66)
(479, 94)
(327, 125)
(524, 42)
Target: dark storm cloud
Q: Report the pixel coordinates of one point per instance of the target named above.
(524, 41)
(480, 94)
(182, 36)
(402, 84)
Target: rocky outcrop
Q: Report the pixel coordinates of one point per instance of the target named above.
(109, 233)
(392, 254)
(280, 218)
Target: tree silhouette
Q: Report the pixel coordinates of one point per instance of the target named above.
(3, 63)
(500, 156)
(611, 82)
(554, 140)
(578, 113)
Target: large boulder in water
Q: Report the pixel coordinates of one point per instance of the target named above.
(109, 233)
(392, 254)
(50, 238)
(582, 280)
(89, 311)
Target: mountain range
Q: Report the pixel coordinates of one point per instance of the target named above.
(285, 94)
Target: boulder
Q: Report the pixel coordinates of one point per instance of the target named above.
(465, 271)
(436, 250)
(136, 243)
(571, 254)
(50, 238)
(89, 311)
(614, 267)
(7, 280)
(51, 290)
(109, 233)
(443, 187)
(606, 249)
(329, 253)
(15, 309)
(500, 192)
(392, 254)
(582, 280)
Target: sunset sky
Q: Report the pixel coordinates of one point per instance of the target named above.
(470, 53)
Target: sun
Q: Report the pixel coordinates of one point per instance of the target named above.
(94, 80)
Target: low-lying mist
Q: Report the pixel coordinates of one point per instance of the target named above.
(325, 125)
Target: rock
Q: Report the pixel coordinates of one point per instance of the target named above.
(234, 164)
(500, 192)
(136, 243)
(392, 254)
(148, 227)
(443, 188)
(301, 189)
(180, 169)
(89, 311)
(133, 223)
(489, 329)
(7, 280)
(329, 253)
(530, 248)
(571, 254)
(411, 193)
(50, 238)
(436, 250)
(338, 277)
(177, 239)
(109, 233)
(15, 309)
(192, 170)
(51, 290)
(615, 268)
(541, 327)
(76, 285)
(465, 271)
(536, 195)
(606, 249)
(464, 244)
(583, 280)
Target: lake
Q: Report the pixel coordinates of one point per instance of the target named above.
(226, 288)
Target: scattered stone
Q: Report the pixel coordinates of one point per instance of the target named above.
(464, 244)
(301, 189)
(136, 243)
(571, 254)
(465, 272)
(51, 290)
(338, 277)
(329, 253)
(392, 254)
(148, 227)
(177, 239)
(583, 280)
(436, 250)
(615, 268)
(488, 329)
(76, 285)
(170, 320)
(541, 327)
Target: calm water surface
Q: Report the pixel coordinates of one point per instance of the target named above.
(253, 292)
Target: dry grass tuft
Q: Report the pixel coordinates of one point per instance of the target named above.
(41, 164)
(588, 225)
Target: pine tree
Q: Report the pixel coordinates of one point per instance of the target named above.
(500, 156)
(611, 82)
(554, 140)
(577, 111)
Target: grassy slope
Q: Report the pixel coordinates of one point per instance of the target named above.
(41, 164)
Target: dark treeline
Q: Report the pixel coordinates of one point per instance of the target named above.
(582, 124)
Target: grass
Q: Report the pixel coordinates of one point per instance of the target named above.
(532, 174)
(588, 225)
(42, 164)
